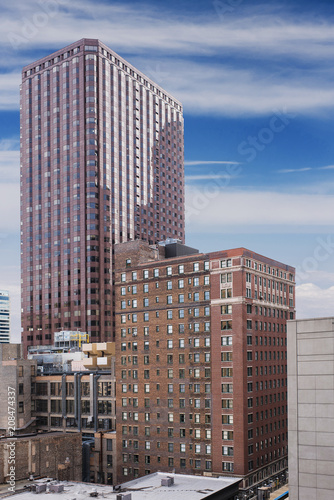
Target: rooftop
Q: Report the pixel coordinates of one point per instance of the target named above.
(185, 487)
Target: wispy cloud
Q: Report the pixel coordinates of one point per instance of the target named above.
(304, 169)
(166, 42)
(9, 161)
(328, 167)
(209, 162)
(206, 177)
(293, 170)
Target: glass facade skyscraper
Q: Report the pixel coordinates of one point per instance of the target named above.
(101, 163)
(4, 317)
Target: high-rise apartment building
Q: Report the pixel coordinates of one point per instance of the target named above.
(201, 382)
(4, 317)
(101, 163)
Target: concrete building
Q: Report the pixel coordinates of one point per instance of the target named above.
(311, 408)
(201, 378)
(101, 163)
(4, 317)
(16, 410)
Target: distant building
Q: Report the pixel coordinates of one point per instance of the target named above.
(311, 408)
(201, 382)
(4, 317)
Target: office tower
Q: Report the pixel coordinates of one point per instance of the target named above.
(311, 408)
(201, 362)
(101, 163)
(4, 317)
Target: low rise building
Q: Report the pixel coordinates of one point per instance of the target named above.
(53, 454)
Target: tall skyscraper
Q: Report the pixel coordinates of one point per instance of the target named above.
(4, 317)
(201, 367)
(101, 163)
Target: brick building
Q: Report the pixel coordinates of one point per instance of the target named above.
(62, 404)
(56, 454)
(101, 163)
(201, 361)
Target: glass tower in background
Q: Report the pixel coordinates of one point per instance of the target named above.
(101, 163)
(4, 317)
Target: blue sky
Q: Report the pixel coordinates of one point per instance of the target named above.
(256, 81)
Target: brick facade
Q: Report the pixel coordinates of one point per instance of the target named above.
(55, 455)
(201, 362)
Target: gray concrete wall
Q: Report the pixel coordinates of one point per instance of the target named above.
(311, 408)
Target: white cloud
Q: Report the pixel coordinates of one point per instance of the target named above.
(9, 166)
(293, 170)
(313, 301)
(214, 209)
(207, 177)
(159, 41)
(9, 207)
(209, 162)
(10, 274)
(9, 90)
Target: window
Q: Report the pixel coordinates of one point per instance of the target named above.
(226, 325)
(226, 309)
(156, 273)
(226, 293)
(226, 341)
(226, 278)
(169, 271)
(181, 283)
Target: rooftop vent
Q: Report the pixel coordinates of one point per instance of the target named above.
(123, 496)
(56, 488)
(38, 488)
(167, 481)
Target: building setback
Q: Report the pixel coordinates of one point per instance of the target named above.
(101, 163)
(201, 362)
(4, 317)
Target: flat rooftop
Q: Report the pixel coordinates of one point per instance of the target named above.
(185, 487)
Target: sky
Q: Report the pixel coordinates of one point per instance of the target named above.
(256, 82)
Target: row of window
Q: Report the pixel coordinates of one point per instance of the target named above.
(169, 271)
